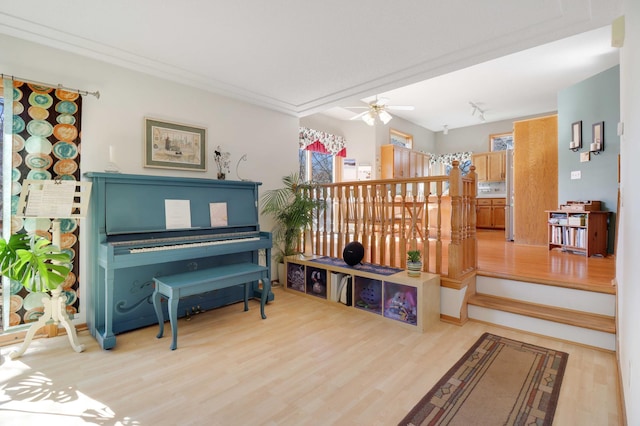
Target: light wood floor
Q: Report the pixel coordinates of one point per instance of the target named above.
(308, 363)
(502, 259)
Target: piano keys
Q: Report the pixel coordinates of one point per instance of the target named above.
(132, 245)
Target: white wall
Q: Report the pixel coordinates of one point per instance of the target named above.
(270, 139)
(627, 266)
(474, 138)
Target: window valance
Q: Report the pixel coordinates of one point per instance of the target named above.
(326, 143)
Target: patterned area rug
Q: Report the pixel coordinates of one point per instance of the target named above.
(498, 381)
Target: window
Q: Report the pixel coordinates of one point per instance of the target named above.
(316, 166)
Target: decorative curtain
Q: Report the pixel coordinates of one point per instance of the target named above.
(326, 143)
(445, 161)
(46, 145)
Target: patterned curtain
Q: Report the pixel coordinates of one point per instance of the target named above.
(45, 145)
(326, 143)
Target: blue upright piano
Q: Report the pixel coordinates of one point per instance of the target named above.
(131, 244)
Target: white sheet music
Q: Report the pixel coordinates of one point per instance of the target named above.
(218, 214)
(53, 199)
(177, 214)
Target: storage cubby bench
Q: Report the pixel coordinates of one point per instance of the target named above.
(385, 292)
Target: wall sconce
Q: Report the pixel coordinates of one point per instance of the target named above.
(597, 146)
(576, 136)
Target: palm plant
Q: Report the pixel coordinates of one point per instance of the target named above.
(34, 262)
(292, 209)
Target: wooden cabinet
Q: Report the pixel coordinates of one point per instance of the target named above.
(399, 163)
(583, 232)
(490, 166)
(490, 213)
(381, 291)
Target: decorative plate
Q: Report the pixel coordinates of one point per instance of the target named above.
(33, 224)
(15, 174)
(17, 94)
(16, 224)
(71, 297)
(68, 240)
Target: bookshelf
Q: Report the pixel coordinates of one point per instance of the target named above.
(583, 232)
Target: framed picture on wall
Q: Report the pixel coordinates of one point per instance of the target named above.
(400, 139)
(500, 141)
(576, 136)
(170, 145)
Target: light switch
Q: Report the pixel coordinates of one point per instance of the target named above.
(576, 174)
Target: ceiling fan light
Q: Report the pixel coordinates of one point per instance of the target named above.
(369, 118)
(385, 117)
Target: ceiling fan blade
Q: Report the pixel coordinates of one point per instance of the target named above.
(380, 101)
(359, 115)
(401, 107)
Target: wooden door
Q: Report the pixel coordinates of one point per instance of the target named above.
(535, 160)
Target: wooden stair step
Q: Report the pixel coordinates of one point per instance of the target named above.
(572, 317)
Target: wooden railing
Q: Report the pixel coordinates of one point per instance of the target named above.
(434, 214)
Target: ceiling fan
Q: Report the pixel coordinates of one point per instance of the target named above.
(378, 108)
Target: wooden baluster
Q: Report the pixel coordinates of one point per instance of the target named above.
(455, 248)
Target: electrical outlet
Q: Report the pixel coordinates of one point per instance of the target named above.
(576, 174)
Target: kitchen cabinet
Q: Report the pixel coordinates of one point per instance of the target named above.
(490, 166)
(490, 213)
(398, 162)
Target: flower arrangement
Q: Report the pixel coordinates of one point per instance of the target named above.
(222, 162)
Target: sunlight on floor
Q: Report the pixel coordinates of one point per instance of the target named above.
(29, 397)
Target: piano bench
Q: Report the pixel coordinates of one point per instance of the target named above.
(173, 287)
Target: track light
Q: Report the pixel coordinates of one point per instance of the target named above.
(477, 110)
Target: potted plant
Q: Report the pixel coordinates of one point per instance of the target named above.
(414, 263)
(39, 267)
(291, 207)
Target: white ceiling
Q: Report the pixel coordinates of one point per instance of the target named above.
(302, 57)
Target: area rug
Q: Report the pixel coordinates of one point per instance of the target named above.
(498, 381)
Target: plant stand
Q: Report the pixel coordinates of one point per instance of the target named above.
(54, 309)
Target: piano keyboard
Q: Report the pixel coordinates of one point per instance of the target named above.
(191, 245)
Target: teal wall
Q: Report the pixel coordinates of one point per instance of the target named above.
(590, 101)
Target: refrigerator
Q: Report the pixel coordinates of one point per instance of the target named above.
(508, 214)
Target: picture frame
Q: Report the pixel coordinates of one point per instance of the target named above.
(399, 138)
(576, 136)
(597, 143)
(169, 145)
(500, 141)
